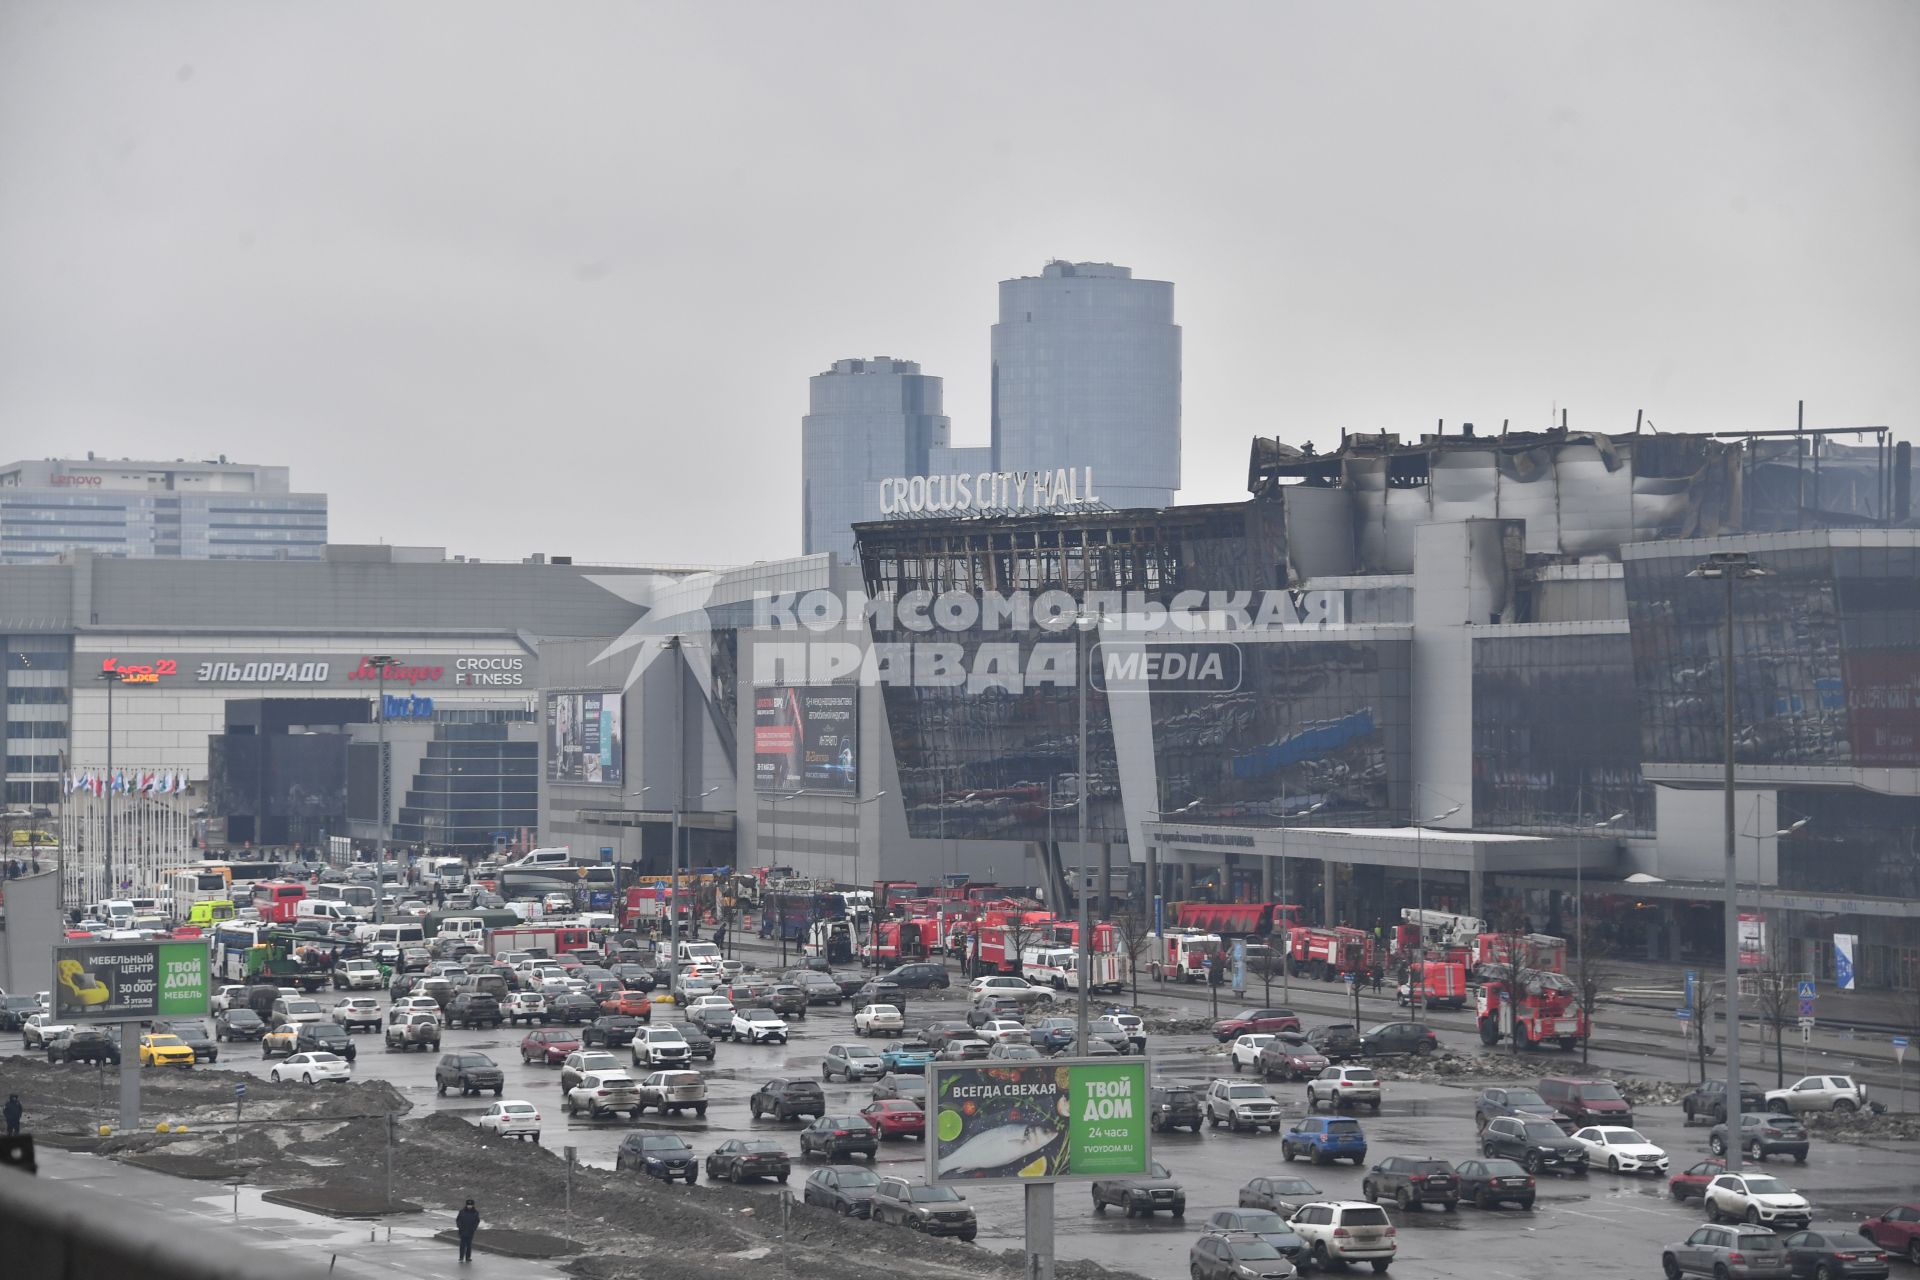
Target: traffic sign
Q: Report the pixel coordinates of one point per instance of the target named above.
(1683, 1013)
(1806, 1030)
(1806, 989)
(1806, 1008)
(240, 1089)
(1806, 1024)
(1900, 1054)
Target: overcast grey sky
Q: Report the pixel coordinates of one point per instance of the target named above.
(552, 276)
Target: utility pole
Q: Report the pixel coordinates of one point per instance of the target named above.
(1080, 889)
(111, 678)
(679, 792)
(380, 664)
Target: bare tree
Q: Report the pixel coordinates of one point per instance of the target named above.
(1269, 962)
(1591, 972)
(1021, 933)
(1774, 994)
(1136, 939)
(1514, 972)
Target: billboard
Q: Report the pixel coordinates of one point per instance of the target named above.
(585, 740)
(806, 739)
(1037, 1121)
(129, 981)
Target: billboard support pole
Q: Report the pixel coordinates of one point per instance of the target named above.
(129, 1076)
(1040, 1232)
(679, 790)
(1080, 858)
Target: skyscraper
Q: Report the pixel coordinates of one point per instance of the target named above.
(1086, 372)
(867, 420)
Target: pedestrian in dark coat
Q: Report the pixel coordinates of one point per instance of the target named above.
(466, 1222)
(13, 1113)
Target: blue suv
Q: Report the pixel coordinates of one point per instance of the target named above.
(1325, 1139)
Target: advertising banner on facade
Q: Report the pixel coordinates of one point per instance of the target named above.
(1037, 1121)
(585, 739)
(1844, 945)
(806, 739)
(415, 672)
(129, 981)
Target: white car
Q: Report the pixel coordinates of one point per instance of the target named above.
(1245, 1053)
(413, 1004)
(878, 1020)
(312, 1068)
(357, 975)
(703, 969)
(299, 1011)
(1342, 1087)
(757, 1026)
(1009, 986)
(711, 1002)
(40, 1028)
(512, 1119)
(1346, 1231)
(1757, 1197)
(1005, 1031)
(661, 1046)
(1818, 1093)
(357, 1012)
(233, 996)
(525, 1006)
(1620, 1150)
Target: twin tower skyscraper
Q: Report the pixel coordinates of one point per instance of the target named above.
(1086, 380)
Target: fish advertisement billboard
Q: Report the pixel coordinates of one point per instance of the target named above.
(1037, 1121)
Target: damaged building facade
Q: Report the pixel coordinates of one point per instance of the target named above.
(1487, 674)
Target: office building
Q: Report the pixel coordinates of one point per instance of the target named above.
(866, 420)
(1086, 372)
(181, 510)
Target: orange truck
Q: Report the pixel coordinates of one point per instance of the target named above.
(1435, 983)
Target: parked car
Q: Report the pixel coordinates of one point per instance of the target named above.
(935, 1210)
(512, 1120)
(1111, 1031)
(1818, 1093)
(1324, 1139)
(326, 1037)
(833, 1137)
(1263, 1224)
(474, 1009)
(674, 1092)
(1620, 1150)
(852, 1062)
(195, 1034)
(787, 1100)
(1346, 1232)
(878, 1020)
(635, 1004)
(1142, 1196)
(846, 1189)
(665, 1156)
(921, 975)
(938, 1035)
(40, 1028)
(312, 1068)
(1516, 1100)
(699, 1043)
(602, 1093)
(1393, 1038)
(1281, 1192)
(661, 1046)
(1411, 1181)
(1342, 1087)
(1219, 1255)
(1897, 1231)
(912, 1088)
(613, 1030)
(1759, 1198)
(357, 974)
(1267, 1020)
(1240, 1106)
(1834, 1253)
(1003, 1049)
(738, 1159)
(990, 1009)
(895, 1118)
(354, 1013)
(1587, 1102)
(1708, 1100)
(470, 1073)
(83, 1044)
(415, 1031)
(1244, 1052)
(907, 1056)
(280, 1040)
(582, 1063)
(1288, 1056)
(1691, 1183)
(1490, 1183)
(572, 1007)
(1750, 1253)
(1337, 1041)
(1054, 1034)
(1536, 1144)
(240, 1023)
(548, 1047)
(1764, 1134)
(759, 1026)
(1174, 1106)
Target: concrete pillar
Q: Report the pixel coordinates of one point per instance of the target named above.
(1266, 879)
(1476, 888)
(1106, 880)
(1154, 888)
(1326, 895)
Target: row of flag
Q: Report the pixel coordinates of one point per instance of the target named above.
(121, 783)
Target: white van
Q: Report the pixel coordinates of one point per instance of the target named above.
(560, 857)
(699, 953)
(320, 909)
(472, 928)
(399, 935)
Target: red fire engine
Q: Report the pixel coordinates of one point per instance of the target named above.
(1238, 919)
(898, 940)
(1540, 951)
(998, 938)
(1548, 1012)
(1183, 957)
(1325, 954)
(1435, 983)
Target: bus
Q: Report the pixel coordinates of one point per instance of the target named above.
(200, 882)
(355, 897)
(278, 901)
(231, 943)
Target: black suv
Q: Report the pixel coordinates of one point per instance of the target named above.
(698, 1041)
(328, 1036)
(835, 1136)
(787, 1099)
(469, 1073)
(1142, 1196)
(1398, 1037)
(194, 1033)
(1413, 1180)
(611, 1030)
(238, 1024)
(1336, 1042)
(1708, 1101)
(473, 1009)
(1173, 1106)
(921, 975)
(83, 1044)
(1516, 1100)
(1536, 1144)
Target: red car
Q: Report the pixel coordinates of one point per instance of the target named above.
(549, 1046)
(1691, 1183)
(896, 1118)
(1896, 1231)
(1256, 1020)
(636, 1004)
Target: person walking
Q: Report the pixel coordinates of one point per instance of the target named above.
(13, 1113)
(1379, 979)
(466, 1222)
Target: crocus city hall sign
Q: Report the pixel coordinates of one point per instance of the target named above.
(988, 491)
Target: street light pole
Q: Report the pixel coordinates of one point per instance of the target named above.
(1080, 889)
(1579, 900)
(1416, 1002)
(1728, 566)
(111, 678)
(679, 792)
(380, 663)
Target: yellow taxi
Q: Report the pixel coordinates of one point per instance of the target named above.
(161, 1050)
(282, 1039)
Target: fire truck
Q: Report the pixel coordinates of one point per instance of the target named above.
(1442, 930)
(1183, 957)
(997, 942)
(1549, 1012)
(1238, 919)
(1435, 984)
(831, 940)
(898, 940)
(1107, 957)
(1325, 954)
(1539, 951)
